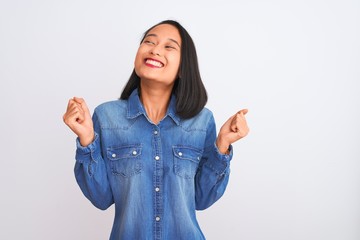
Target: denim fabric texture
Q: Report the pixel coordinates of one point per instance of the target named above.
(156, 175)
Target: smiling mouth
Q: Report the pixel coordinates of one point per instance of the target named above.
(153, 63)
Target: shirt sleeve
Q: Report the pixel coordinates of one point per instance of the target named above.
(213, 173)
(91, 173)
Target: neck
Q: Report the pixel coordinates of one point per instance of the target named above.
(156, 101)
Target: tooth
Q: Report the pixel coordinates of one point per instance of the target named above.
(153, 62)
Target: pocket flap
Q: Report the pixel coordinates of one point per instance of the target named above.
(189, 153)
(120, 152)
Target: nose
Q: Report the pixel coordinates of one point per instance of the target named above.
(156, 51)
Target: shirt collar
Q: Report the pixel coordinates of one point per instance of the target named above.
(135, 107)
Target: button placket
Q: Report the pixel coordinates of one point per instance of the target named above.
(157, 184)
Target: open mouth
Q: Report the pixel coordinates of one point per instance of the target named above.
(153, 63)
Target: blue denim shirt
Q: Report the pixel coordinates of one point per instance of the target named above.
(156, 175)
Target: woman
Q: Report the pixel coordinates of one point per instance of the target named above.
(154, 153)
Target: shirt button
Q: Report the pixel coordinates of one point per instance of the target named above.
(157, 189)
(180, 154)
(155, 132)
(134, 152)
(113, 155)
(157, 219)
(157, 157)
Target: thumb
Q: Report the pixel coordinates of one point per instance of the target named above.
(243, 111)
(82, 103)
(236, 118)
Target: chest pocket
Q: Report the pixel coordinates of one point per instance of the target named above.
(125, 161)
(186, 161)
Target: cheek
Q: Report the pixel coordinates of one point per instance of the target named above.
(175, 62)
(138, 59)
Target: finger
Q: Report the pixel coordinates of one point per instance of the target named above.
(234, 121)
(242, 127)
(82, 103)
(76, 108)
(243, 111)
(80, 113)
(69, 103)
(71, 115)
(239, 122)
(81, 118)
(78, 100)
(234, 128)
(231, 122)
(70, 118)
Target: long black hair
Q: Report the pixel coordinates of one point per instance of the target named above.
(188, 88)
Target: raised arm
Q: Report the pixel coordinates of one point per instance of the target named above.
(90, 168)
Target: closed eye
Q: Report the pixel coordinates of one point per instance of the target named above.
(149, 42)
(171, 47)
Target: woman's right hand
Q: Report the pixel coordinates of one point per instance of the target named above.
(78, 119)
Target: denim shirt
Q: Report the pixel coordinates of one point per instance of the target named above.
(157, 175)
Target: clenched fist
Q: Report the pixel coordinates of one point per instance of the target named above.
(233, 129)
(78, 119)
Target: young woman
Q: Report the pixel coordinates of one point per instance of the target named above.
(154, 153)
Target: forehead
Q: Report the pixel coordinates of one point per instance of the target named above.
(166, 31)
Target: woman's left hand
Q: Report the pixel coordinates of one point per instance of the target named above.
(233, 129)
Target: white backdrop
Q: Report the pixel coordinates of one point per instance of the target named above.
(294, 64)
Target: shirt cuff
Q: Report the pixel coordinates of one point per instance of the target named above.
(90, 152)
(224, 157)
(220, 163)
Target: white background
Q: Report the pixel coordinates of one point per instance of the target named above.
(294, 64)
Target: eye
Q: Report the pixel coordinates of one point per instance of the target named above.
(169, 47)
(149, 42)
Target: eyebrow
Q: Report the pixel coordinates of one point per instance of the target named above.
(154, 35)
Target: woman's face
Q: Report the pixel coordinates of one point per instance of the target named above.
(158, 57)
